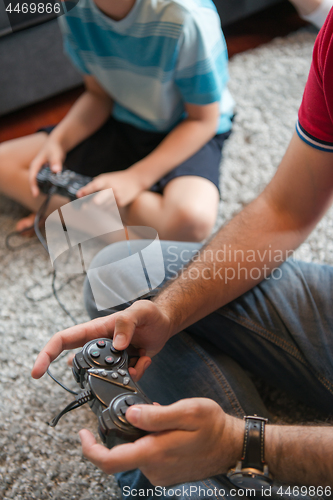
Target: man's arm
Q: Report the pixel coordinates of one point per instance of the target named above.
(278, 220)
(300, 455)
(276, 223)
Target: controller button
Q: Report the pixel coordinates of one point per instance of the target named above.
(121, 372)
(101, 344)
(114, 375)
(104, 373)
(131, 400)
(109, 360)
(126, 380)
(123, 410)
(95, 354)
(113, 349)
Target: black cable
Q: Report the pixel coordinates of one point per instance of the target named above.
(55, 293)
(49, 295)
(80, 400)
(41, 211)
(60, 383)
(68, 408)
(18, 233)
(40, 214)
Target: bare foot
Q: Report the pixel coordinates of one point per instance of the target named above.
(26, 223)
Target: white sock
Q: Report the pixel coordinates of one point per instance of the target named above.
(318, 16)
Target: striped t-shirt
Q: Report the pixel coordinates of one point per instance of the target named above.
(163, 54)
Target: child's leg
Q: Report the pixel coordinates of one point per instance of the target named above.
(15, 158)
(185, 212)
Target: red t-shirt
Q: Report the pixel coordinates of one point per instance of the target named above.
(315, 117)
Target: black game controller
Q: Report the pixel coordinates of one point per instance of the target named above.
(65, 183)
(102, 373)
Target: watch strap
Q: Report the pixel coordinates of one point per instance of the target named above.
(254, 450)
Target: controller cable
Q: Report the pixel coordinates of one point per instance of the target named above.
(60, 383)
(40, 213)
(80, 400)
(85, 396)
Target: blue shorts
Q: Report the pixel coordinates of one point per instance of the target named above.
(117, 145)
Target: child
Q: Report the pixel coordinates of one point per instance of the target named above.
(153, 118)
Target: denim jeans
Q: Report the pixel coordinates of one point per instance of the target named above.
(281, 331)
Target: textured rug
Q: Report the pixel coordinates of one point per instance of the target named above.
(38, 462)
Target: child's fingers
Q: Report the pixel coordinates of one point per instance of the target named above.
(56, 166)
(55, 158)
(93, 186)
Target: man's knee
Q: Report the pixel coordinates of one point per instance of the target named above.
(109, 254)
(175, 255)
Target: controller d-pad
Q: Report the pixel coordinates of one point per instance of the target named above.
(131, 400)
(123, 410)
(123, 403)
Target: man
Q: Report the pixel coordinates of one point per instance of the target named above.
(279, 328)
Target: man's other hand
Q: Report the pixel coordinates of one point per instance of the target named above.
(191, 440)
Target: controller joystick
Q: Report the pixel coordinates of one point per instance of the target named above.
(102, 373)
(65, 183)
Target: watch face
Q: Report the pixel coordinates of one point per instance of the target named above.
(250, 479)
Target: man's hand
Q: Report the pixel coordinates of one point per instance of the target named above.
(142, 324)
(192, 439)
(126, 186)
(52, 153)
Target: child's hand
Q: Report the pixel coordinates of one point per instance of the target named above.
(52, 153)
(125, 184)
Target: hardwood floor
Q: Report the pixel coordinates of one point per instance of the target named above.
(255, 30)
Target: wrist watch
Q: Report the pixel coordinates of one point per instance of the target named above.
(252, 471)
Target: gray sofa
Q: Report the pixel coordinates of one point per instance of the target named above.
(33, 66)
